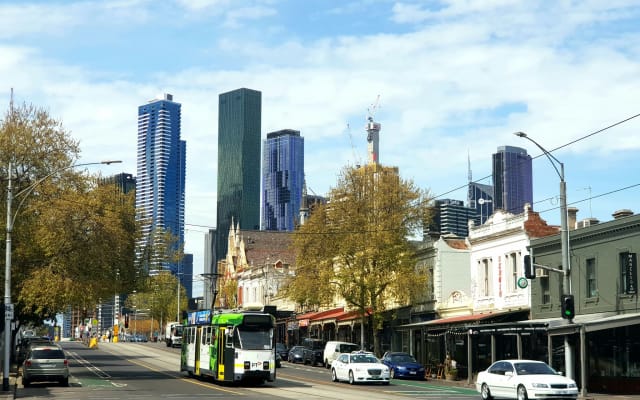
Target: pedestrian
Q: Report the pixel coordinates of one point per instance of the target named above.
(108, 335)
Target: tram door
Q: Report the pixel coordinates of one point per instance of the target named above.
(197, 349)
(204, 354)
(222, 343)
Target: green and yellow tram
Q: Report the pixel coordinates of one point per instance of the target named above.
(229, 346)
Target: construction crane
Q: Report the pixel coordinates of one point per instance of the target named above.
(356, 159)
(373, 132)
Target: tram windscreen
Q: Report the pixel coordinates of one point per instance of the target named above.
(253, 338)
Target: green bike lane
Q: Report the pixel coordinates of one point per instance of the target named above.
(430, 390)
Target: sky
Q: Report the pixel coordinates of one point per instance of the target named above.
(450, 81)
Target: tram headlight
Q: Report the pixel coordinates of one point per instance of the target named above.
(265, 365)
(247, 365)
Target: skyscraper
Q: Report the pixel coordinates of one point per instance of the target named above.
(282, 179)
(239, 124)
(161, 177)
(480, 198)
(512, 179)
(451, 216)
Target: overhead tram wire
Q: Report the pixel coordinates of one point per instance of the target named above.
(550, 151)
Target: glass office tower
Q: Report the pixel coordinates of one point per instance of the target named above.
(239, 124)
(282, 179)
(512, 179)
(161, 177)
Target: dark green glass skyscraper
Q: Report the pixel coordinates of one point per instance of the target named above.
(239, 124)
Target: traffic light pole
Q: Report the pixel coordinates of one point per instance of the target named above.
(565, 283)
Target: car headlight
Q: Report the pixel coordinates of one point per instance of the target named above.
(540, 385)
(572, 385)
(400, 368)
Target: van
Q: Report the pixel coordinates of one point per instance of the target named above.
(333, 349)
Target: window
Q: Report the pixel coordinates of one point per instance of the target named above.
(590, 272)
(545, 295)
(628, 273)
(513, 269)
(485, 273)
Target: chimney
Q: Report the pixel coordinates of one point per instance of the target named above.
(572, 213)
(625, 212)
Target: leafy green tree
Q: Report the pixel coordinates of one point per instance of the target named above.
(159, 295)
(71, 238)
(358, 248)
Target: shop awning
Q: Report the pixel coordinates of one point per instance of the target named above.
(459, 320)
(325, 317)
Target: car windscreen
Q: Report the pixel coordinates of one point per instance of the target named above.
(348, 348)
(400, 358)
(365, 358)
(48, 354)
(525, 368)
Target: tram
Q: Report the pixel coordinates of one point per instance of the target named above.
(230, 346)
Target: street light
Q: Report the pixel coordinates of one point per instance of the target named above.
(8, 307)
(565, 284)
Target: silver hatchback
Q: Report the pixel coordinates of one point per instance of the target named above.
(45, 363)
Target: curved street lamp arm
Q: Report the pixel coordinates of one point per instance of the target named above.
(550, 156)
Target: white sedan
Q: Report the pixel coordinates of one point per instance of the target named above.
(524, 379)
(359, 367)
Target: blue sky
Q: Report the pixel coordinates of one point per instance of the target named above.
(455, 78)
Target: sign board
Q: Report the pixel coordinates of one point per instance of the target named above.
(630, 264)
(523, 283)
(8, 311)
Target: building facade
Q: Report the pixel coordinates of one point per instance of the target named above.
(480, 198)
(239, 125)
(282, 180)
(161, 160)
(512, 179)
(604, 335)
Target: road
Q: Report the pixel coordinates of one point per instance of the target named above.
(151, 371)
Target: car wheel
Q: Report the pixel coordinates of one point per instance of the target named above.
(351, 379)
(25, 382)
(334, 376)
(392, 373)
(485, 393)
(64, 381)
(522, 393)
(326, 364)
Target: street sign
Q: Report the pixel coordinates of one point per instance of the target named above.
(8, 311)
(523, 283)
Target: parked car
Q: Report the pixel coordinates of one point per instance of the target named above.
(281, 349)
(45, 363)
(278, 360)
(296, 355)
(333, 349)
(313, 351)
(358, 367)
(26, 343)
(522, 379)
(403, 365)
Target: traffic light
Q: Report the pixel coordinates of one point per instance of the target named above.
(529, 268)
(568, 308)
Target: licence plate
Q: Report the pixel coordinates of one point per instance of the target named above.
(412, 372)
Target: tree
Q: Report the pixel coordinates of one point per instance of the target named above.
(159, 295)
(71, 237)
(357, 247)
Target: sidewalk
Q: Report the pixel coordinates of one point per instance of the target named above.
(588, 396)
(13, 377)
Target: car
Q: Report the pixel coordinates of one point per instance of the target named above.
(333, 349)
(278, 360)
(523, 379)
(359, 366)
(27, 343)
(403, 365)
(313, 351)
(45, 363)
(281, 349)
(296, 355)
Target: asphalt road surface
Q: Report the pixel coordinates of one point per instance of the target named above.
(123, 371)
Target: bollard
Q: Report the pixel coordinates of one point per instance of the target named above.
(93, 343)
